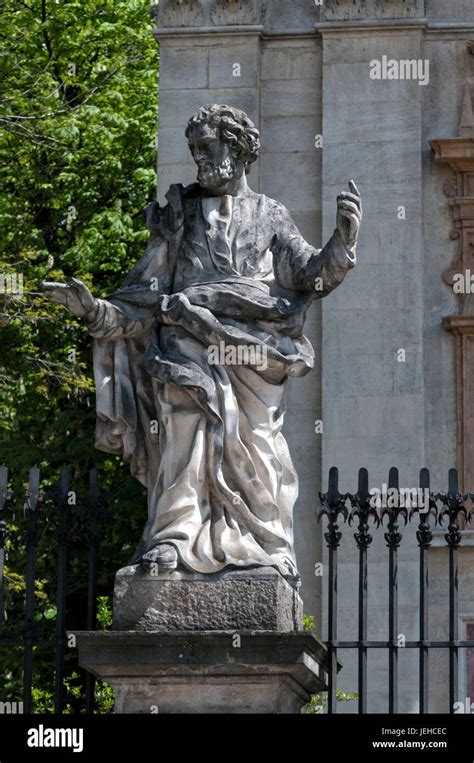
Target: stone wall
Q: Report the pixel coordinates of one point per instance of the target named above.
(301, 70)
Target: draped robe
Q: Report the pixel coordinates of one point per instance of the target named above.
(205, 438)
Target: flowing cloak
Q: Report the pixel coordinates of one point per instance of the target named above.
(234, 276)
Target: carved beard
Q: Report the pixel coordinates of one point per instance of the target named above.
(212, 175)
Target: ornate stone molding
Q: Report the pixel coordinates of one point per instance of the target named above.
(450, 187)
(208, 13)
(458, 155)
(178, 13)
(347, 10)
(466, 126)
(235, 12)
(462, 328)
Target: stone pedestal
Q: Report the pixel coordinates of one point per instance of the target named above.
(206, 672)
(251, 599)
(188, 643)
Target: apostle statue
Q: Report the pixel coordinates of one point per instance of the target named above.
(192, 356)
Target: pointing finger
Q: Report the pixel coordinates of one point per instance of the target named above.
(353, 187)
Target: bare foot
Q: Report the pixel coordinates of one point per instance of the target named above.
(164, 555)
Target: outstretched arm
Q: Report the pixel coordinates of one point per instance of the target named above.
(152, 275)
(301, 267)
(104, 319)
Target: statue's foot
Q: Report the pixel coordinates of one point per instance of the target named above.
(164, 555)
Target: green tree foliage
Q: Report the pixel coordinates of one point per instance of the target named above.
(318, 702)
(78, 117)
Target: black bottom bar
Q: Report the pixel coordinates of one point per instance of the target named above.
(430, 738)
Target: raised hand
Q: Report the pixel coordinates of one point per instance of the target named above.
(349, 215)
(74, 295)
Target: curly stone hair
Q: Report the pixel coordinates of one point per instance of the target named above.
(235, 127)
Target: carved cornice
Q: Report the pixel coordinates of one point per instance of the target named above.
(456, 153)
(208, 13)
(347, 10)
(459, 324)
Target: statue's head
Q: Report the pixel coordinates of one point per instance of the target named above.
(224, 142)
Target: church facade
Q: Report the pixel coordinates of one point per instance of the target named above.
(379, 91)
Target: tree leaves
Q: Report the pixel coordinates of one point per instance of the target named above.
(78, 114)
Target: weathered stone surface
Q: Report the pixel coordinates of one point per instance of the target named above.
(175, 13)
(290, 134)
(304, 170)
(455, 10)
(284, 16)
(177, 66)
(236, 12)
(196, 13)
(176, 104)
(362, 376)
(233, 66)
(295, 97)
(206, 672)
(345, 10)
(290, 63)
(259, 599)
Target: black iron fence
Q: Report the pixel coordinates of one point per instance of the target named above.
(65, 521)
(55, 521)
(366, 511)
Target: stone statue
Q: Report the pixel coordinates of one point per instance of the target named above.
(191, 357)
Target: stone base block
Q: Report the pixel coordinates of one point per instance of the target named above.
(207, 672)
(255, 599)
